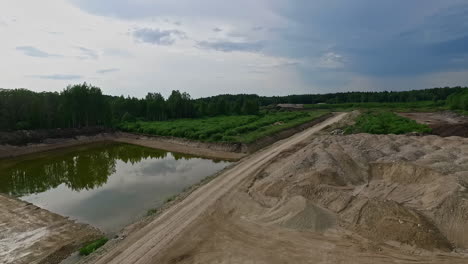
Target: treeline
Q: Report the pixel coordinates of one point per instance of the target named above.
(433, 94)
(458, 100)
(84, 105)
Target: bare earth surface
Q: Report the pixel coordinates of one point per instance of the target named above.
(444, 124)
(436, 118)
(29, 234)
(318, 198)
(146, 245)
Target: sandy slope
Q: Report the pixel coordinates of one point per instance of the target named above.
(29, 234)
(146, 245)
(316, 198)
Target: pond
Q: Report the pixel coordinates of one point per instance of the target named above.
(108, 185)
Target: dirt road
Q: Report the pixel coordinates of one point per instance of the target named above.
(145, 245)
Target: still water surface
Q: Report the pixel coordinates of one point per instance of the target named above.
(108, 185)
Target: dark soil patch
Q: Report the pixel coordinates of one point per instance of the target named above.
(448, 130)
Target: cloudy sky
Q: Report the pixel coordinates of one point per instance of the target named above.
(208, 47)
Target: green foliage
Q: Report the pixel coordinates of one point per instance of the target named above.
(84, 105)
(171, 198)
(239, 128)
(23, 125)
(93, 246)
(227, 104)
(434, 94)
(399, 107)
(151, 212)
(458, 101)
(384, 122)
(127, 117)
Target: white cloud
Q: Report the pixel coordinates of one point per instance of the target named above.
(103, 52)
(204, 49)
(157, 36)
(331, 60)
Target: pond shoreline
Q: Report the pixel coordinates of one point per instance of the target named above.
(173, 145)
(46, 222)
(143, 221)
(42, 236)
(221, 150)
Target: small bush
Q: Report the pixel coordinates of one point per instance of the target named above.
(170, 199)
(93, 246)
(151, 212)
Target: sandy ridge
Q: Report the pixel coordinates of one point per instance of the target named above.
(144, 245)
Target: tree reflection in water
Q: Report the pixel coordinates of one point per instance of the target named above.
(85, 167)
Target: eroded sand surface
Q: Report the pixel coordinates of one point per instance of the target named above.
(29, 234)
(316, 198)
(341, 199)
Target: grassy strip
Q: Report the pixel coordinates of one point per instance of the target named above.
(384, 122)
(422, 106)
(93, 246)
(243, 128)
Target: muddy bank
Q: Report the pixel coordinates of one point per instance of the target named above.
(444, 124)
(174, 145)
(23, 137)
(29, 234)
(10, 151)
(226, 151)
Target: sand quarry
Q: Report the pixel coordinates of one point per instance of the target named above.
(341, 199)
(315, 198)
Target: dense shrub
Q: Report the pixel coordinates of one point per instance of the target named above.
(93, 246)
(458, 101)
(240, 128)
(385, 123)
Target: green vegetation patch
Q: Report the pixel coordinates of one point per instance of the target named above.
(459, 102)
(237, 128)
(151, 212)
(93, 246)
(422, 106)
(384, 122)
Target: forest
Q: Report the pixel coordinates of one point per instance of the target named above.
(84, 105)
(458, 100)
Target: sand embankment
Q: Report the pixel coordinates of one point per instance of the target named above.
(316, 198)
(29, 234)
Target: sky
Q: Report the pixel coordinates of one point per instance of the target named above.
(210, 47)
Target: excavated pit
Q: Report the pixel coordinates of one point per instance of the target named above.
(342, 199)
(411, 190)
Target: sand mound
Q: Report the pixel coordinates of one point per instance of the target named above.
(385, 188)
(342, 199)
